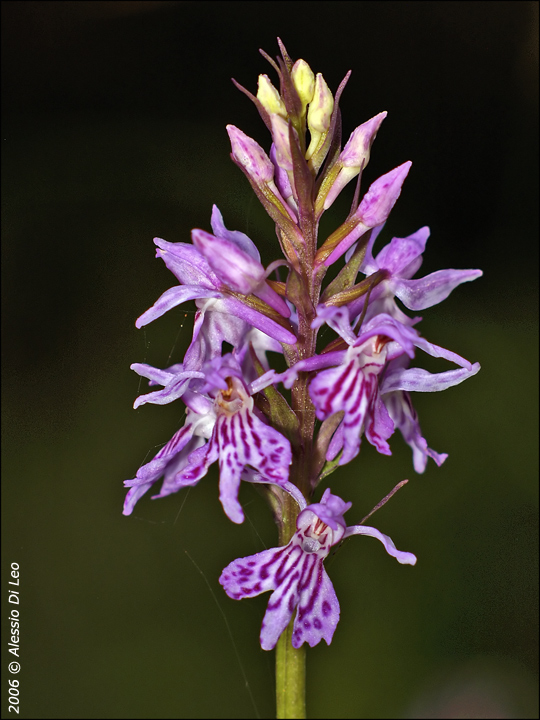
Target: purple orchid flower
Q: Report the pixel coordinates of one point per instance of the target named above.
(225, 268)
(296, 576)
(374, 402)
(368, 382)
(220, 410)
(400, 260)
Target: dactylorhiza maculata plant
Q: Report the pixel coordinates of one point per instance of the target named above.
(359, 384)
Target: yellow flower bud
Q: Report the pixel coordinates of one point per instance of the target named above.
(319, 114)
(321, 106)
(304, 82)
(269, 97)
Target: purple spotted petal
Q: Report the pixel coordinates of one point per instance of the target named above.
(318, 609)
(296, 575)
(352, 388)
(298, 579)
(289, 570)
(273, 569)
(240, 439)
(246, 440)
(379, 426)
(249, 576)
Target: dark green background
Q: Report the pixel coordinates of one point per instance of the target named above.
(113, 133)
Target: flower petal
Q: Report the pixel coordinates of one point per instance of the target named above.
(403, 256)
(405, 558)
(431, 289)
(420, 380)
(405, 418)
(249, 576)
(232, 265)
(318, 609)
(234, 236)
(186, 263)
(257, 319)
(294, 567)
(171, 298)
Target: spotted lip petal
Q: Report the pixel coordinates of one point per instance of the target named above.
(296, 576)
(239, 439)
(298, 580)
(353, 388)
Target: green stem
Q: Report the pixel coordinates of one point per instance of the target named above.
(290, 663)
(290, 677)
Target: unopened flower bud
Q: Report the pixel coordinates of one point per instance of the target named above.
(319, 113)
(373, 211)
(270, 98)
(304, 82)
(250, 155)
(320, 108)
(280, 135)
(354, 156)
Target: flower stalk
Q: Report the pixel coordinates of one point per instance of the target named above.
(290, 677)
